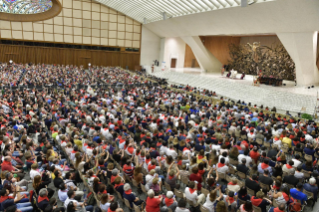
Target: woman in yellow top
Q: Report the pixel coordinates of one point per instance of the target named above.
(201, 157)
(285, 139)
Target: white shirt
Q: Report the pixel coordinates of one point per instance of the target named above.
(223, 169)
(248, 159)
(172, 153)
(226, 159)
(34, 173)
(66, 202)
(209, 204)
(191, 196)
(296, 163)
(105, 207)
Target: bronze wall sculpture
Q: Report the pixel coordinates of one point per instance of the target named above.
(273, 61)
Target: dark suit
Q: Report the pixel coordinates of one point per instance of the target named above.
(253, 185)
(265, 180)
(242, 168)
(290, 179)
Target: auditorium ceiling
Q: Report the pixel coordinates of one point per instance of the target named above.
(147, 11)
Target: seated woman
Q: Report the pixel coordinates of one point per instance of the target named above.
(260, 201)
(118, 185)
(153, 202)
(281, 196)
(156, 186)
(211, 199)
(307, 166)
(104, 204)
(130, 196)
(247, 207)
(39, 183)
(169, 201)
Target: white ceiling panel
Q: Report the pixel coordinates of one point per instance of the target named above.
(152, 10)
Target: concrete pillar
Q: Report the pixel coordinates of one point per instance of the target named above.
(302, 48)
(205, 58)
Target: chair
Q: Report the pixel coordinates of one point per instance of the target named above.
(256, 209)
(306, 173)
(205, 191)
(167, 186)
(285, 149)
(264, 186)
(119, 195)
(259, 141)
(308, 157)
(203, 209)
(241, 183)
(136, 208)
(179, 194)
(143, 188)
(284, 174)
(134, 183)
(241, 175)
(231, 170)
(290, 186)
(184, 180)
(191, 203)
(233, 162)
(127, 203)
(267, 144)
(275, 203)
(241, 202)
(228, 178)
(222, 176)
(308, 193)
(250, 192)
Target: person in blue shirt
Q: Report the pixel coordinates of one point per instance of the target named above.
(297, 193)
(311, 187)
(309, 150)
(131, 196)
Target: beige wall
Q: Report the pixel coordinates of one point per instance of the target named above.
(80, 22)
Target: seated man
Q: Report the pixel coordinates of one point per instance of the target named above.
(297, 193)
(242, 167)
(71, 195)
(17, 199)
(222, 167)
(191, 193)
(8, 184)
(311, 187)
(43, 199)
(252, 183)
(263, 166)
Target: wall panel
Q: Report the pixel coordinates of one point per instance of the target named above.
(36, 54)
(218, 46)
(81, 18)
(189, 57)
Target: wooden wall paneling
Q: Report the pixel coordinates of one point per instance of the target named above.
(189, 57)
(218, 46)
(130, 60)
(123, 59)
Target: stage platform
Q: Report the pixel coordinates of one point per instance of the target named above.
(290, 97)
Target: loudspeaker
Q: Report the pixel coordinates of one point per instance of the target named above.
(244, 3)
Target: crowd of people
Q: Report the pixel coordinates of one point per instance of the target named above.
(183, 147)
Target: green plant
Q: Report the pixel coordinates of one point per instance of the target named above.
(306, 116)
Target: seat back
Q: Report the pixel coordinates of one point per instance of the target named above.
(143, 188)
(233, 162)
(264, 186)
(136, 208)
(259, 141)
(241, 175)
(305, 173)
(184, 180)
(308, 157)
(127, 203)
(256, 209)
(205, 191)
(308, 193)
(191, 203)
(241, 202)
(250, 192)
(222, 175)
(179, 194)
(290, 186)
(167, 186)
(203, 209)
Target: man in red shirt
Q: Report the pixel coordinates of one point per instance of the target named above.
(195, 177)
(254, 154)
(7, 166)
